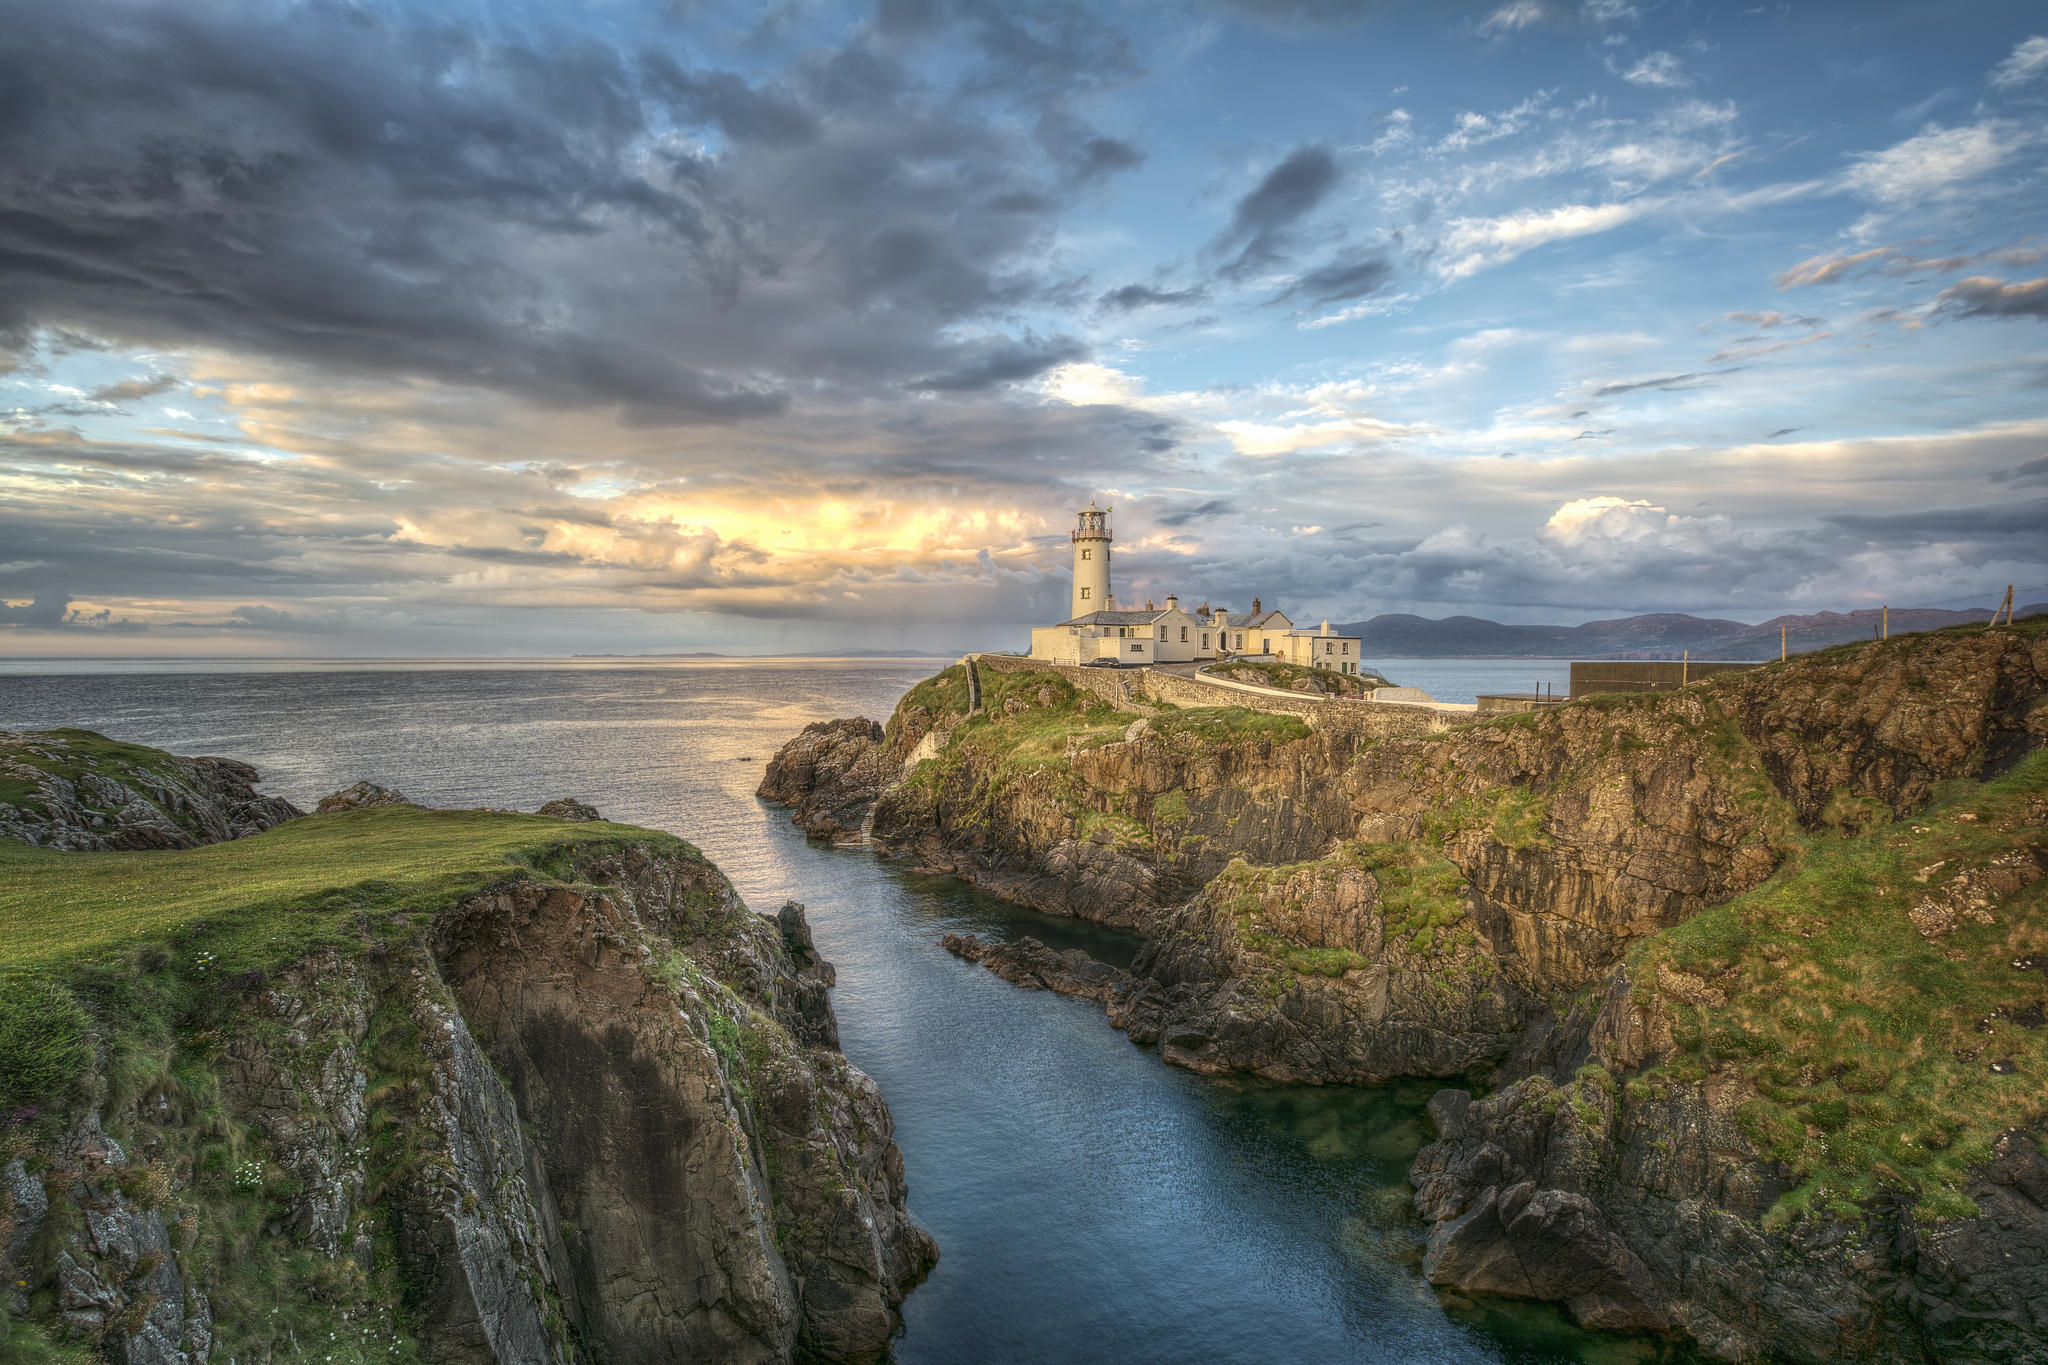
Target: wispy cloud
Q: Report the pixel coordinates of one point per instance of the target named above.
(2028, 61)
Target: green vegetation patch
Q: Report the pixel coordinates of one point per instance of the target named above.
(1229, 725)
(78, 931)
(1882, 1058)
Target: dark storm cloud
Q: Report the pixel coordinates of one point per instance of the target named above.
(576, 220)
(1981, 296)
(1260, 226)
(46, 609)
(2027, 471)
(1215, 507)
(2028, 520)
(1340, 281)
(1006, 362)
(1130, 297)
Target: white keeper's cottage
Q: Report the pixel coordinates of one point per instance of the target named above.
(1101, 628)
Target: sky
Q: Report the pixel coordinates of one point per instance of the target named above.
(452, 328)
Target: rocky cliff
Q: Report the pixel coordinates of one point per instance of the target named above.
(1543, 902)
(74, 789)
(553, 1094)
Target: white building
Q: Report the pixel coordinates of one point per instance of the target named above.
(1101, 629)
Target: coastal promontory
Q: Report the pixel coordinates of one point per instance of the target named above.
(1737, 989)
(393, 1084)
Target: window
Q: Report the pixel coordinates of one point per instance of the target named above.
(1084, 594)
(1266, 646)
(1137, 648)
(1346, 649)
(1086, 553)
(1329, 649)
(1183, 634)
(1205, 639)
(1240, 639)
(1162, 633)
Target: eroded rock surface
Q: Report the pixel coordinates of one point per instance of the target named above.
(76, 790)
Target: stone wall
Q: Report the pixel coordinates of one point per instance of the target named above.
(1134, 688)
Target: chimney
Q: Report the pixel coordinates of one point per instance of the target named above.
(1326, 625)
(1172, 602)
(1149, 606)
(1255, 606)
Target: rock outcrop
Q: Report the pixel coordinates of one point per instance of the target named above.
(360, 796)
(1332, 905)
(830, 776)
(76, 790)
(569, 808)
(592, 1113)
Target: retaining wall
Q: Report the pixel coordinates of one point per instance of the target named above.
(1131, 690)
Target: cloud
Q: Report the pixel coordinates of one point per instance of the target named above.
(46, 610)
(1130, 297)
(2027, 471)
(1004, 361)
(1340, 280)
(1831, 267)
(1260, 222)
(129, 389)
(540, 206)
(1474, 244)
(1934, 163)
(1665, 382)
(1517, 14)
(1659, 69)
(1768, 320)
(1981, 296)
(2028, 60)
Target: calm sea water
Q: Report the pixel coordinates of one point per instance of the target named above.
(1091, 1204)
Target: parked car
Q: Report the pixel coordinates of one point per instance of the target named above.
(1102, 663)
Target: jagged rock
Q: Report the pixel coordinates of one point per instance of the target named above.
(611, 1123)
(359, 796)
(93, 795)
(569, 808)
(830, 775)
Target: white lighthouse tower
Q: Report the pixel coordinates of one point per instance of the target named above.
(1091, 561)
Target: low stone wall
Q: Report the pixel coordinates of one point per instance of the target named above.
(1114, 685)
(1132, 689)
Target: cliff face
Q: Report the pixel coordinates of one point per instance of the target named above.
(1755, 962)
(73, 789)
(593, 1111)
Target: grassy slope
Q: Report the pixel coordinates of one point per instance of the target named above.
(57, 907)
(145, 957)
(1871, 1047)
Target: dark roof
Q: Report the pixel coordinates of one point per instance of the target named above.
(1117, 618)
(1247, 620)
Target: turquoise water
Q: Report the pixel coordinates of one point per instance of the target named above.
(1090, 1203)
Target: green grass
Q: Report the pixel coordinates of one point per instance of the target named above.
(74, 926)
(1229, 725)
(1869, 1046)
(58, 907)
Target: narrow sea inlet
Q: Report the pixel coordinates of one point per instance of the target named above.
(1090, 1203)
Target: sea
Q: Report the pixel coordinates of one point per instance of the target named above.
(1090, 1202)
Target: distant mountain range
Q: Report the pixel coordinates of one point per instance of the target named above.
(1665, 634)
(806, 654)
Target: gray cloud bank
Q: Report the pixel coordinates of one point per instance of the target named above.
(546, 213)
